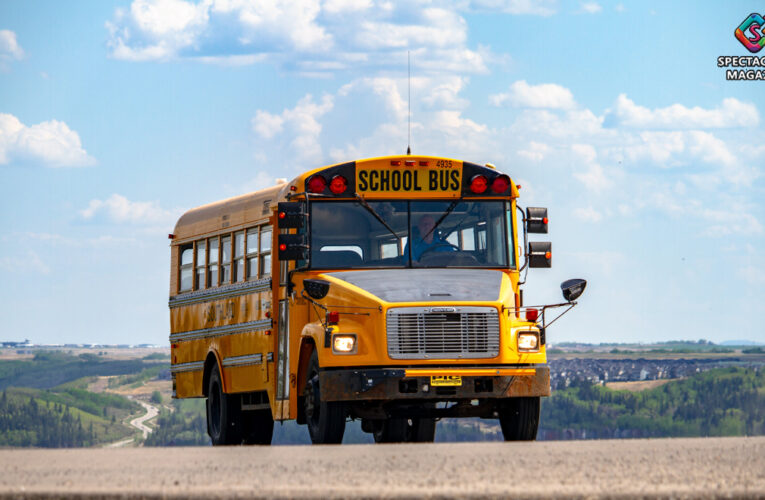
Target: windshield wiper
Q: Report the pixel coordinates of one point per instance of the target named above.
(377, 216)
(448, 210)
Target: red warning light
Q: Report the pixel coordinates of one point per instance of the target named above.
(338, 184)
(532, 315)
(500, 184)
(317, 184)
(478, 184)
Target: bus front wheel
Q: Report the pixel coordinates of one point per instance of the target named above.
(519, 418)
(325, 419)
(222, 414)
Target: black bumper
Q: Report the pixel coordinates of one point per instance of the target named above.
(388, 384)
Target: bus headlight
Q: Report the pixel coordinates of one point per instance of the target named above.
(528, 341)
(344, 343)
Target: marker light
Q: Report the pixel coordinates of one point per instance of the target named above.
(548, 255)
(478, 184)
(282, 247)
(317, 184)
(333, 317)
(338, 184)
(409, 163)
(532, 315)
(500, 184)
(544, 220)
(282, 215)
(344, 344)
(423, 163)
(395, 163)
(528, 341)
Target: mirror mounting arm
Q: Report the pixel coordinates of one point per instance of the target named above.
(525, 265)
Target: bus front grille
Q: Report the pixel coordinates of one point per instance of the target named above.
(442, 332)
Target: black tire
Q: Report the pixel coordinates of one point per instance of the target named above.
(326, 420)
(422, 430)
(392, 430)
(404, 430)
(222, 413)
(519, 418)
(257, 427)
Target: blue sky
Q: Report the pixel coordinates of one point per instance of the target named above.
(115, 117)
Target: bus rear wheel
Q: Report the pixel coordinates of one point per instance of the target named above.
(222, 413)
(519, 418)
(325, 419)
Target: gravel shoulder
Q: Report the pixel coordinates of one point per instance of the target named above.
(655, 468)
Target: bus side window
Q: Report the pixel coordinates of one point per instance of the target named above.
(252, 253)
(212, 268)
(225, 261)
(239, 256)
(468, 239)
(187, 267)
(265, 251)
(199, 282)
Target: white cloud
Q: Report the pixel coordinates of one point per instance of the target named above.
(51, 143)
(118, 209)
(545, 95)
(591, 7)
(527, 7)
(731, 113)
(588, 214)
(29, 262)
(301, 124)
(536, 151)
(311, 37)
(10, 50)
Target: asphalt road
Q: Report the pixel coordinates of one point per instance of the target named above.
(659, 468)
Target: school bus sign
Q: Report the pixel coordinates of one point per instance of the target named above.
(409, 177)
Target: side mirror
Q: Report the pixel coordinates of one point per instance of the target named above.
(536, 220)
(292, 247)
(316, 289)
(540, 254)
(572, 289)
(291, 215)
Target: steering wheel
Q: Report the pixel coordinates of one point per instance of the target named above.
(440, 244)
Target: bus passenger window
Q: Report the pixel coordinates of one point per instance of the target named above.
(252, 253)
(187, 267)
(199, 282)
(468, 239)
(212, 268)
(239, 256)
(225, 260)
(265, 252)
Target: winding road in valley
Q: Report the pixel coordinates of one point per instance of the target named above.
(625, 469)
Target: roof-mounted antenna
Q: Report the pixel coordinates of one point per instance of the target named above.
(409, 105)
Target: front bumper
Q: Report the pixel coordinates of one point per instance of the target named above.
(389, 384)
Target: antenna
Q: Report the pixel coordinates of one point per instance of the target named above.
(409, 104)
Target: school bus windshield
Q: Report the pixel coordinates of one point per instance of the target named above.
(397, 234)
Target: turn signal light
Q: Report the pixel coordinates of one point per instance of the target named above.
(478, 184)
(532, 315)
(500, 184)
(317, 184)
(338, 184)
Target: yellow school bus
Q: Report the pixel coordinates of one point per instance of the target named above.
(386, 290)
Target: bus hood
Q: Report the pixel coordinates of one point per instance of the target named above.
(427, 285)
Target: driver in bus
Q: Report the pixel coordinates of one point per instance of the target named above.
(431, 241)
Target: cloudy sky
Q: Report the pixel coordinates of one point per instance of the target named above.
(115, 117)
